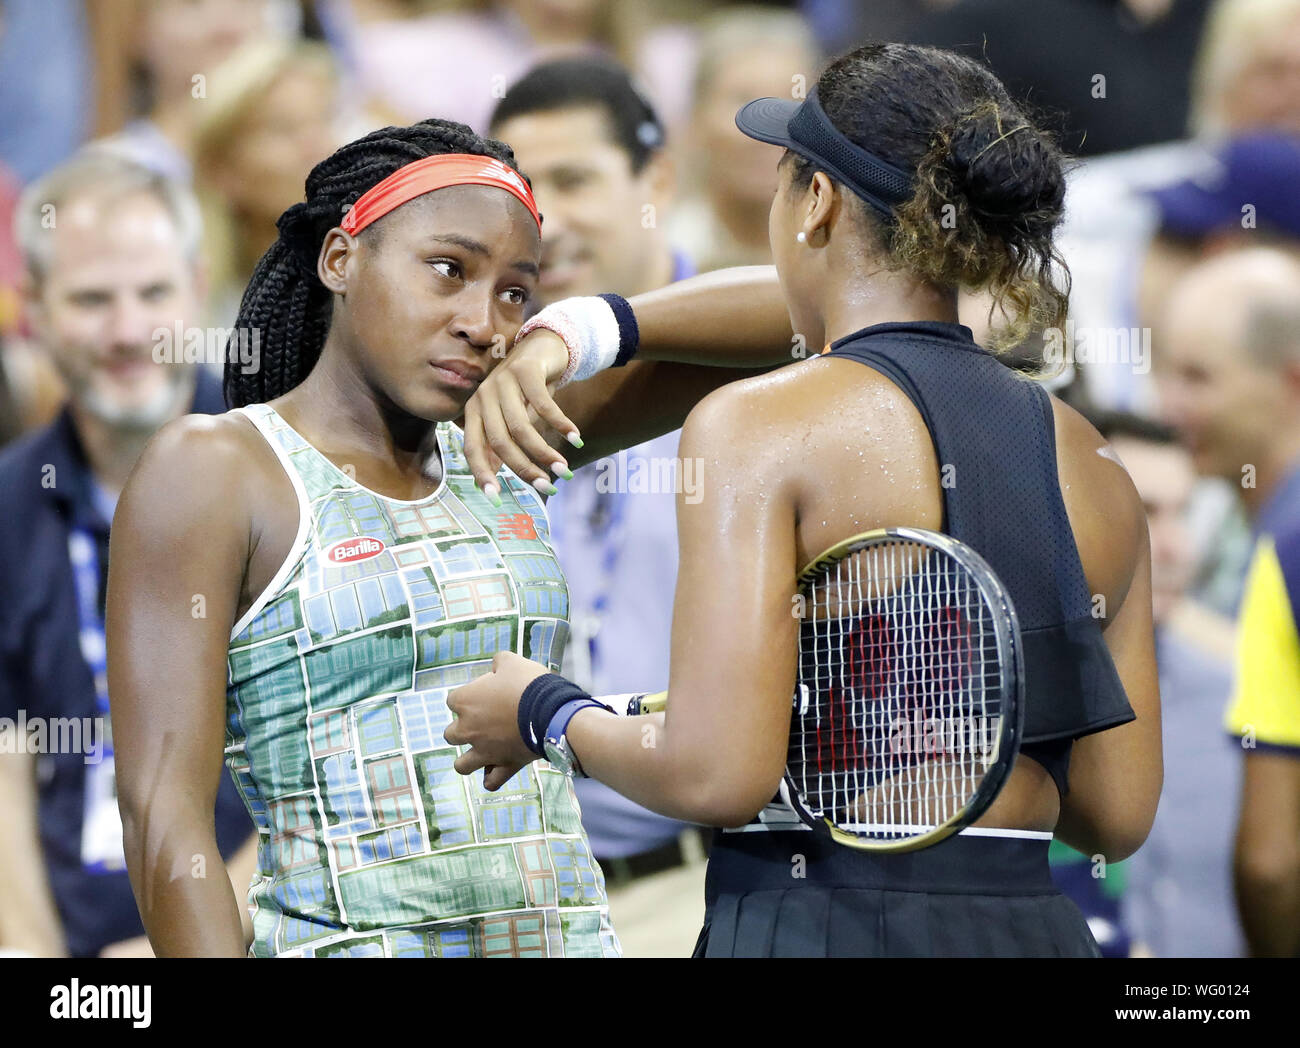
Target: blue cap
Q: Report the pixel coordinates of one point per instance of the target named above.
(805, 128)
(1262, 170)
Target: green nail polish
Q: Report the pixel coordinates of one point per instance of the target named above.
(575, 440)
(568, 474)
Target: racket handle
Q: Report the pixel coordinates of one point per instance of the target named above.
(641, 704)
(658, 702)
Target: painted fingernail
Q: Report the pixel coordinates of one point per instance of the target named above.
(492, 492)
(561, 470)
(574, 439)
(545, 486)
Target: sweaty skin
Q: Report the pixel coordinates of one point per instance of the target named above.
(774, 497)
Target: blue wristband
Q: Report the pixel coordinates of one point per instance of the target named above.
(560, 722)
(629, 335)
(541, 702)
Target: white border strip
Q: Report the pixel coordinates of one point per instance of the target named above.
(969, 831)
(304, 522)
(990, 831)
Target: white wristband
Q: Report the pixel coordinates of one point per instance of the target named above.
(589, 330)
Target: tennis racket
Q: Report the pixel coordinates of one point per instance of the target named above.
(908, 706)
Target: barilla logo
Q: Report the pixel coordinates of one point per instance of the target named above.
(348, 550)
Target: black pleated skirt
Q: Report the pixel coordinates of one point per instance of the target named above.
(798, 894)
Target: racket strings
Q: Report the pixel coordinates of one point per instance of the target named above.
(900, 658)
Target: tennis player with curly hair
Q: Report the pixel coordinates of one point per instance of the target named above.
(909, 174)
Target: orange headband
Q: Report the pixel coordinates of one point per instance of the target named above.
(436, 172)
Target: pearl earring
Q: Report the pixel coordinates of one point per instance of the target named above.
(802, 237)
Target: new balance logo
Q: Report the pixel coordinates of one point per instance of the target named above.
(516, 526)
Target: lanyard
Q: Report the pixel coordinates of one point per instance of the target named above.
(609, 508)
(613, 507)
(101, 824)
(83, 553)
(606, 525)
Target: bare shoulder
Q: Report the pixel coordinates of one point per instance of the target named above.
(841, 445)
(748, 432)
(726, 405)
(1103, 505)
(207, 462)
(1087, 461)
(214, 436)
(795, 397)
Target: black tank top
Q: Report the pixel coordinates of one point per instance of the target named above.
(993, 431)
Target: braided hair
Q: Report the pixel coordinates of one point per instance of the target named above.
(285, 303)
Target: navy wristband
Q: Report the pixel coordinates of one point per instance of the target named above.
(539, 704)
(629, 335)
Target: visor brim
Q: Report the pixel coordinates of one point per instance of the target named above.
(768, 120)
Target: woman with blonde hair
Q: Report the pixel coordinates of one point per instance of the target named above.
(270, 114)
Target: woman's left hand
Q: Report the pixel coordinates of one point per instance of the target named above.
(512, 407)
(487, 720)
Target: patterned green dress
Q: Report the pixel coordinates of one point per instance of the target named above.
(370, 843)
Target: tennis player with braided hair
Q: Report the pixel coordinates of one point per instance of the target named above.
(300, 581)
(909, 174)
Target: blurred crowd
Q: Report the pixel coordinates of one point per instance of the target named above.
(147, 148)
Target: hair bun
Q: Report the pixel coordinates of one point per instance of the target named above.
(1004, 165)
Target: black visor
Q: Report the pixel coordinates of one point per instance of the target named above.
(805, 128)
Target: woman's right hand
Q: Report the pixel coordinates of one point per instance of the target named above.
(502, 417)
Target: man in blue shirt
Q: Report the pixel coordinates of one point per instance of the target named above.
(110, 251)
(593, 148)
(1229, 368)
(1178, 896)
